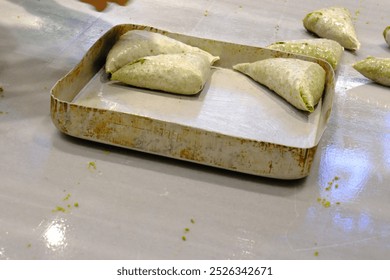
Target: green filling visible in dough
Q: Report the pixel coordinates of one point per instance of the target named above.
(299, 82)
(176, 73)
(325, 49)
(136, 44)
(376, 69)
(333, 23)
(312, 17)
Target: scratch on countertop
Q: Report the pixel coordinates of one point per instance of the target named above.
(279, 22)
(335, 245)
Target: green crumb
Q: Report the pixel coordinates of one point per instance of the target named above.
(331, 183)
(192, 221)
(59, 209)
(92, 164)
(67, 197)
(69, 205)
(29, 245)
(186, 229)
(206, 13)
(326, 204)
(357, 13)
(316, 253)
(183, 238)
(338, 203)
(76, 204)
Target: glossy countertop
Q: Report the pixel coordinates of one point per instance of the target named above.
(67, 198)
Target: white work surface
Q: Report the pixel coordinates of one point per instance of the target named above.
(56, 204)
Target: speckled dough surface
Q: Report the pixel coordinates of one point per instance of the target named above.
(333, 23)
(375, 68)
(176, 73)
(299, 82)
(325, 49)
(136, 44)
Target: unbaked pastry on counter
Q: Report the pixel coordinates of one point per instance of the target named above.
(326, 49)
(333, 23)
(375, 68)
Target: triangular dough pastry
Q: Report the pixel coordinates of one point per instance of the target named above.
(328, 50)
(299, 82)
(176, 73)
(333, 23)
(376, 69)
(136, 44)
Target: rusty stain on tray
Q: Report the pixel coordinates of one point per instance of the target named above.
(173, 139)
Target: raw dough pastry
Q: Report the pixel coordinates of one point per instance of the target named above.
(325, 49)
(333, 23)
(386, 34)
(376, 69)
(136, 44)
(299, 82)
(177, 73)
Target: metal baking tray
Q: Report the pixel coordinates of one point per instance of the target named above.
(234, 123)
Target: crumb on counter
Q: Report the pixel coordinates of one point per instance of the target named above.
(59, 209)
(92, 164)
(324, 202)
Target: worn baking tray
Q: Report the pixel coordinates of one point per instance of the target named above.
(234, 123)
